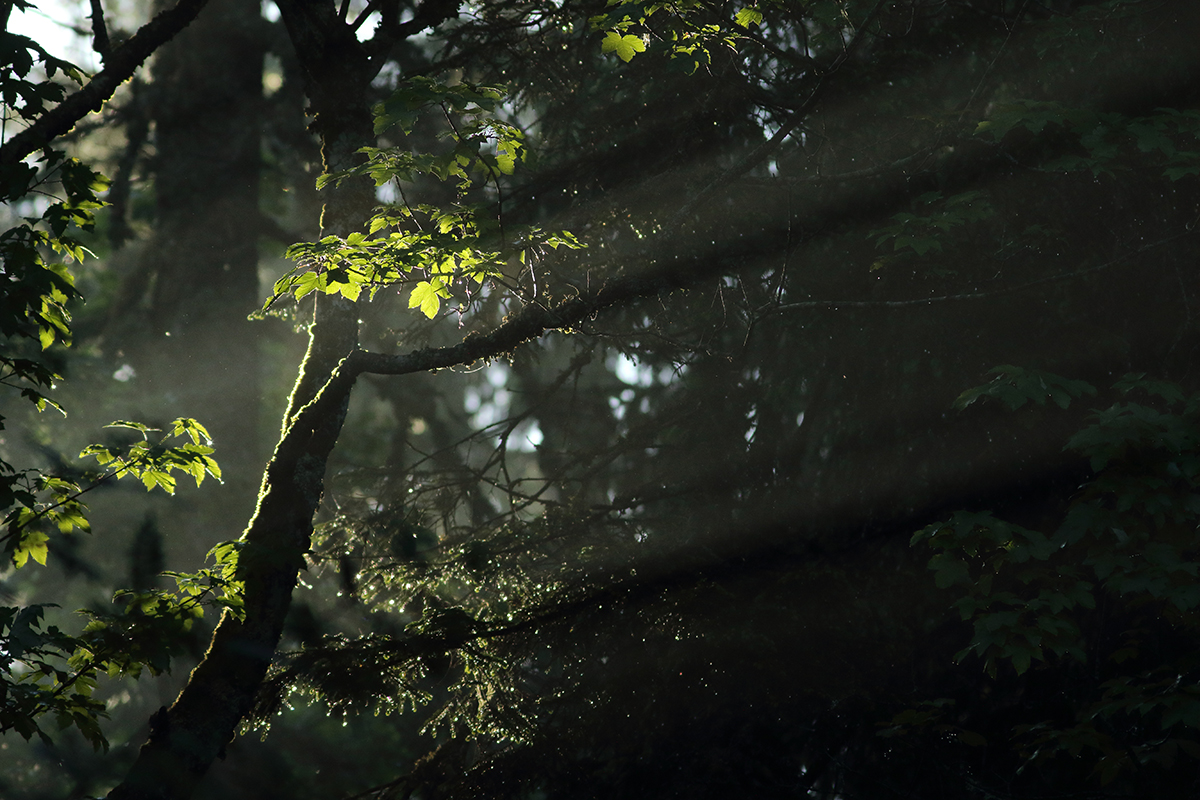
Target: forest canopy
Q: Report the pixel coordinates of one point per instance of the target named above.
(439, 399)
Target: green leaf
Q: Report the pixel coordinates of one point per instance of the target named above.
(1171, 392)
(1175, 173)
(1021, 659)
(102, 454)
(305, 284)
(153, 477)
(506, 156)
(425, 296)
(948, 571)
(192, 428)
(1015, 386)
(33, 543)
(748, 16)
(134, 426)
(625, 46)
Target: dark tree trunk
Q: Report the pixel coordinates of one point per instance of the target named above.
(185, 739)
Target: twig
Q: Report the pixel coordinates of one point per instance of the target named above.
(99, 31)
(756, 155)
(981, 295)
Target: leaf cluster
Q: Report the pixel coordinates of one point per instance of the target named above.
(45, 671)
(36, 292)
(1103, 143)
(153, 462)
(691, 34)
(20, 56)
(1125, 553)
(35, 678)
(1016, 386)
(919, 234)
(43, 500)
(462, 244)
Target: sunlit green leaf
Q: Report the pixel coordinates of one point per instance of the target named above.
(748, 16)
(425, 295)
(625, 46)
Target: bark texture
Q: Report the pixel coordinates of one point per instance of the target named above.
(186, 738)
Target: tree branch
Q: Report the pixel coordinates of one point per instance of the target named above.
(527, 324)
(119, 66)
(429, 14)
(100, 42)
(534, 320)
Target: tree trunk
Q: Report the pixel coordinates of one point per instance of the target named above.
(185, 739)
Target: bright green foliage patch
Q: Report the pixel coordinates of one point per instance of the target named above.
(473, 125)
(35, 678)
(681, 31)
(153, 463)
(36, 292)
(44, 671)
(626, 46)
(461, 244)
(49, 672)
(747, 17)
(688, 32)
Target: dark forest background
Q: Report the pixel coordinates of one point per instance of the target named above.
(874, 474)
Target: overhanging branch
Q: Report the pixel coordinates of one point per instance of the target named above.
(119, 67)
(527, 324)
(533, 321)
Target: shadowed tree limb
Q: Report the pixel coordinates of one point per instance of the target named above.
(119, 66)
